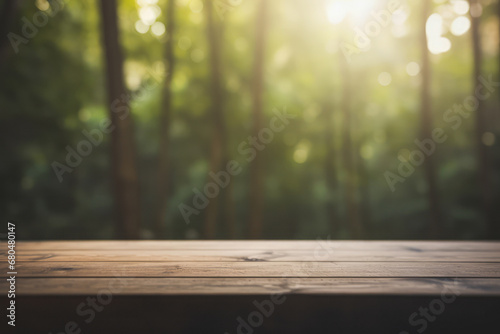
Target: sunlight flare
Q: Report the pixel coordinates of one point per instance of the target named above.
(358, 10)
(460, 25)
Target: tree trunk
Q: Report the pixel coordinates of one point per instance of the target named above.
(219, 137)
(256, 166)
(363, 168)
(165, 116)
(330, 169)
(483, 156)
(230, 211)
(123, 154)
(352, 213)
(7, 14)
(364, 188)
(435, 222)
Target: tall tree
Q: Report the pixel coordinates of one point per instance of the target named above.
(218, 151)
(436, 221)
(256, 167)
(123, 154)
(165, 116)
(8, 11)
(483, 156)
(330, 168)
(364, 185)
(351, 199)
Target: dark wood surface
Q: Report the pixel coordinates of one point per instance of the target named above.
(203, 286)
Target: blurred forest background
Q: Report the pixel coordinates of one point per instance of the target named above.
(114, 113)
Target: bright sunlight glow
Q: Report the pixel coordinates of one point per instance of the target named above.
(434, 29)
(460, 25)
(141, 27)
(147, 15)
(439, 45)
(461, 7)
(337, 11)
(434, 26)
(358, 10)
(413, 69)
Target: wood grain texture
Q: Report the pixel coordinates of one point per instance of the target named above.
(206, 286)
(257, 286)
(219, 255)
(266, 245)
(257, 267)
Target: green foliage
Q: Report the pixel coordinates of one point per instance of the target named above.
(55, 87)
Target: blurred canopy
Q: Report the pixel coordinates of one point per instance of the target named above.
(358, 94)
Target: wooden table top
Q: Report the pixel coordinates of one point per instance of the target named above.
(256, 267)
